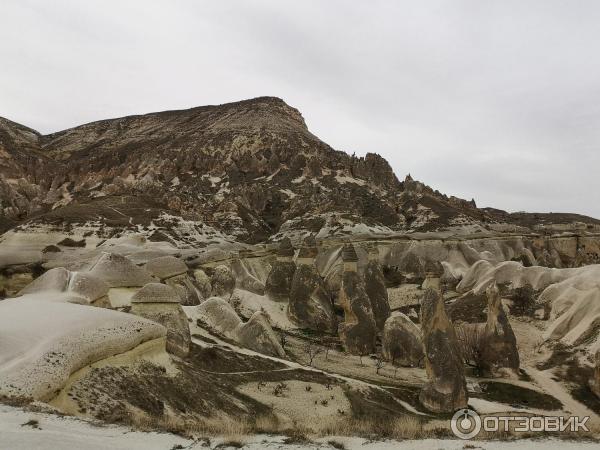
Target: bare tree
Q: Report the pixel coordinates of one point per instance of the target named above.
(379, 363)
(312, 351)
(283, 339)
(469, 337)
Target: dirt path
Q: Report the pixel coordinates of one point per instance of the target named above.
(557, 390)
(295, 366)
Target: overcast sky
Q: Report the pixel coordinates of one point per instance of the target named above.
(496, 100)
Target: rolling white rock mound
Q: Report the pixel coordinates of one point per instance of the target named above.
(43, 340)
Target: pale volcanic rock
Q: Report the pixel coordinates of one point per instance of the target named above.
(160, 303)
(498, 347)
(255, 334)
(222, 281)
(186, 289)
(52, 280)
(446, 388)
(219, 315)
(166, 267)
(81, 287)
(87, 286)
(119, 271)
(45, 340)
(402, 342)
(202, 282)
(244, 278)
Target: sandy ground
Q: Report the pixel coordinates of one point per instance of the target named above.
(22, 430)
(404, 295)
(299, 400)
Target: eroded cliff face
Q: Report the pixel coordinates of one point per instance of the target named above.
(250, 169)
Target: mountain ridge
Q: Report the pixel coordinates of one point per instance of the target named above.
(252, 169)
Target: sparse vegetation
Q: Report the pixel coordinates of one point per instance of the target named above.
(33, 423)
(469, 338)
(379, 363)
(311, 350)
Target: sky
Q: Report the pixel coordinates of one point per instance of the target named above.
(493, 100)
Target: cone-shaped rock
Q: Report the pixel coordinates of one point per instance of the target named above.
(402, 342)
(433, 274)
(446, 388)
(203, 284)
(222, 281)
(257, 334)
(376, 290)
(118, 271)
(359, 330)
(310, 304)
(499, 354)
(160, 303)
(279, 281)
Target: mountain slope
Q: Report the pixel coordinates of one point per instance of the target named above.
(250, 169)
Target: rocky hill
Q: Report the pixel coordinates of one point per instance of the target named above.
(250, 169)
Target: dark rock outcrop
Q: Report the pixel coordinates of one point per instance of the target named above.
(310, 305)
(376, 290)
(402, 343)
(279, 281)
(594, 382)
(359, 330)
(498, 347)
(446, 388)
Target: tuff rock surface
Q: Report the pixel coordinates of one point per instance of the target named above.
(359, 330)
(402, 342)
(446, 388)
(498, 348)
(160, 303)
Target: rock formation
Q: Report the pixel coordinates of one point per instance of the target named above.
(81, 287)
(166, 267)
(202, 282)
(222, 282)
(118, 271)
(375, 287)
(256, 334)
(498, 347)
(446, 388)
(173, 271)
(359, 330)
(244, 277)
(594, 382)
(279, 281)
(433, 274)
(310, 304)
(160, 303)
(402, 343)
